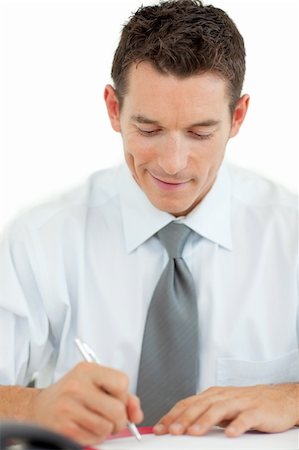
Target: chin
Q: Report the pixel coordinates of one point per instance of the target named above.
(175, 210)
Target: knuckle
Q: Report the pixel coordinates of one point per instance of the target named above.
(183, 404)
(101, 427)
(255, 415)
(83, 367)
(105, 429)
(63, 409)
(247, 418)
(93, 422)
(207, 418)
(166, 419)
(72, 387)
(186, 420)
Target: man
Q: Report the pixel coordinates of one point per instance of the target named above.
(88, 264)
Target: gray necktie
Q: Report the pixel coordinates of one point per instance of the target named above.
(168, 367)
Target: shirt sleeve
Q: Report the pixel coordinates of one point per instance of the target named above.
(25, 341)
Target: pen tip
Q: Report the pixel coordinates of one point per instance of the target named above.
(134, 430)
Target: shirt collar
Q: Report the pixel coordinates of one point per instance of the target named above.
(211, 218)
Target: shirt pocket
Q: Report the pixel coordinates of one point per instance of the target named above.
(233, 372)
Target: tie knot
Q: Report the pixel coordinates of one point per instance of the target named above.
(173, 237)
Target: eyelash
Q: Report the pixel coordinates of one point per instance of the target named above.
(200, 137)
(148, 133)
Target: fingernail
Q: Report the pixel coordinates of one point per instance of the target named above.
(194, 429)
(176, 428)
(159, 428)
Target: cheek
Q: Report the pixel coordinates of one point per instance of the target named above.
(140, 149)
(213, 151)
(204, 157)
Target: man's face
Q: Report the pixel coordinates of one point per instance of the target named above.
(174, 134)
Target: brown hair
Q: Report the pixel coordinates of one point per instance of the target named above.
(182, 38)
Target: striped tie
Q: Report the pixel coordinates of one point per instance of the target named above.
(168, 369)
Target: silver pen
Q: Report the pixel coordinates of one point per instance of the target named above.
(90, 356)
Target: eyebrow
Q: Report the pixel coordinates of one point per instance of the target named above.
(142, 119)
(145, 120)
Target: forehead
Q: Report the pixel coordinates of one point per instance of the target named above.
(154, 93)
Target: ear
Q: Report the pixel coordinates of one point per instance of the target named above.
(239, 114)
(112, 105)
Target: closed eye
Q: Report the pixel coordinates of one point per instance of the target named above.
(148, 132)
(201, 137)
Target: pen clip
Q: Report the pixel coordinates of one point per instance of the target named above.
(87, 353)
(91, 353)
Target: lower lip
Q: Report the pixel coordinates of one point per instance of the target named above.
(169, 186)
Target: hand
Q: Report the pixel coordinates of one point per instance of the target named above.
(273, 408)
(89, 403)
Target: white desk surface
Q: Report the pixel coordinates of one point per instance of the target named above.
(215, 440)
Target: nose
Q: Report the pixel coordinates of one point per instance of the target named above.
(173, 156)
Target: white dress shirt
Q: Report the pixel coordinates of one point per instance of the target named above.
(87, 263)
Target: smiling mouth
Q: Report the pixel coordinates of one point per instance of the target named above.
(169, 185)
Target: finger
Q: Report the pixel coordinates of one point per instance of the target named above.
(102, 390)
(93, 399)
(162, 427)
(223, 423)
(110, 380)
(185, 413)
(96, 424)
(215, 414)
(134, 411)
(105, 405)
(191, 415)
(113, 381)
(246, 420)
(187, 418)
(73, 412)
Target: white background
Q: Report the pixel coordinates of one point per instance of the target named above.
(56, 57)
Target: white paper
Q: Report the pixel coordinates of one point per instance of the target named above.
(215, 440)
